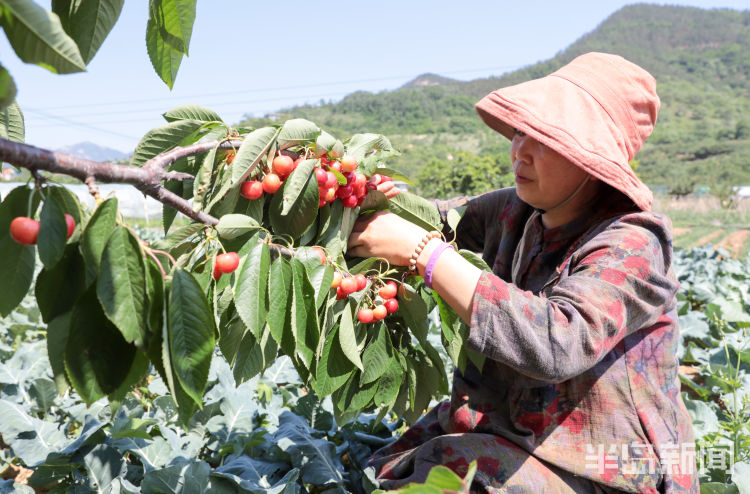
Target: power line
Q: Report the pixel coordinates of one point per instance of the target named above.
(298, 86)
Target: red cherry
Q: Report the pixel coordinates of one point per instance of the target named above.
(361, 281)
(283, 165)
(385, 178)
(335, 165)
(331, 180)
(359, 180)
(271, 183)
(340, 295)
(348, 285)
(71, 222)
(379, 312)
(391, 305)
(350, 201)
(344, 191)
(348, 164)
(321, 176)
(388, 290)
(365, 316)
(217, 273)
(24, 230)
(252, 189)
(226, 263)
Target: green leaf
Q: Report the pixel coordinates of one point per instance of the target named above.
(354, 396)
(444, 479)
(375, 358)
(254, 146)
(360, 144)
(53, 233)
(295, 184)
(191, 334)
(389, 384)
(7, 89)
(235, 225)
(348, 338)
(329, 227)
(741, 476)
(417, 210)
(96, 234)
(57, 338)
(17, 268)
(333, 369)
(304, 317)
(297, 131)
(191, 112)
(121, 285)
(251, 285)
(93, 345)
(168, 32)
(324, 143)
(719, 488)
(303, 211)
(12, 125)
(88, 22)
(57, 288)
(414, 311)
(203, 180)
(37, 37)
(254, 356)
(68, 202)
(163, 139)
(394, 175)
(454, 216)
(280, 288)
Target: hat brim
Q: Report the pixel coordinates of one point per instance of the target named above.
(562, 116)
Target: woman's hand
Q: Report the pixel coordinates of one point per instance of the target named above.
(385, 235)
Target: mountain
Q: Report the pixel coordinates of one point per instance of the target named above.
(700, 58)
(94, 152)
(429, 80)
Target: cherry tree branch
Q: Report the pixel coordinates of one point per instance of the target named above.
(148, 178)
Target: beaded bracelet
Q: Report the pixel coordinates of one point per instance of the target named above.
(418, 250)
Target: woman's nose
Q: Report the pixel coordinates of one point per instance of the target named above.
(521, 148)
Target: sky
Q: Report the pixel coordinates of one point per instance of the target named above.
(252, 58)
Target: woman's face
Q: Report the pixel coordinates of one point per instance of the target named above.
(544, 178)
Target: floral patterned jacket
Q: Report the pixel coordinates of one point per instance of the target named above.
(579, 327)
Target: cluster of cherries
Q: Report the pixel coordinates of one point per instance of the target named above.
(345, 286)
(351, 194)
(25, 230)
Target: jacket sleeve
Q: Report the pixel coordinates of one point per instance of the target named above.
(620, 281)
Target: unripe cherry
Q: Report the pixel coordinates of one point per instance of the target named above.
(348, 285)
(251, 189)
(227, 262)
(388, 290)
(321, 254)
(379, 312)
(336, 281)
(365, 316)
(271, 183)
(348, 164)
(283, 165)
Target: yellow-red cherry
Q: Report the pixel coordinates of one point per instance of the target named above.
(251, 189)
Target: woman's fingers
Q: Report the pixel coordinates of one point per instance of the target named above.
(389, 189)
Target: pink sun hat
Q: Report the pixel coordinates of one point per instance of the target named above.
(597, 111)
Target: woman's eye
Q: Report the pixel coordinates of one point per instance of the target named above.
(519, 133)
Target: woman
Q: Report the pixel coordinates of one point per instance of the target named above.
(577, 319)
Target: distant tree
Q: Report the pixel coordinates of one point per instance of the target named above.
(463, 173)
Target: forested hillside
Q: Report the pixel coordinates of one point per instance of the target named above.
(701, 59)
